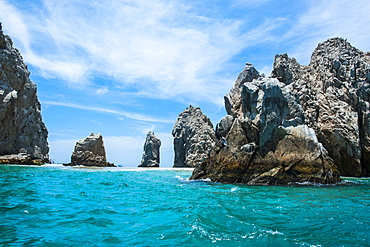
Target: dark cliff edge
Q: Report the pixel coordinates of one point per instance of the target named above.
(23, 135)
(302, 124)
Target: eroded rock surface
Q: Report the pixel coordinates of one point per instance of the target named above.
(22, 131)
(151, 151)
(334, 93)
(90, 152)
(302, 124)
(267, 143)
(194, 138)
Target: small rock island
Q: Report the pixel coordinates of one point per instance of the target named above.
(151, 151)
(89, 152)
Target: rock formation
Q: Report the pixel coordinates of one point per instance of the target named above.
(151, 151)
(304, 123)
(334, 93)
(23, 135)
(90, 152)
(194, 138)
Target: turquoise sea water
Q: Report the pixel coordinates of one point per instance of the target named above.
(64, 206)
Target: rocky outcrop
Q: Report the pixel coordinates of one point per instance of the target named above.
(334, 93)
(267, 142)
(151, 151)
(23, 134)
(304, 123)
(194, 138)
(90, 152)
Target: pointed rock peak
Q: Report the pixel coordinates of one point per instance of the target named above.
(151, 154)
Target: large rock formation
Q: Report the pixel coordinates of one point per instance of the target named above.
(303, 124)
(194, 138)
(334, 93)
(23, 135)
(151, 151)
(266, 142)
(89, 152)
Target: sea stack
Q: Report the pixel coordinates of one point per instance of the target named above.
(23, 135)
(90, 152)
(302, 124)
(151, 151)
(194, 138)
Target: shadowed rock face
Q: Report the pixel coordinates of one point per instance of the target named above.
(267, 144)
(334, 94)
(90, 152)
(303, 124)
(23, 134)
(151, 151)
(194, 138)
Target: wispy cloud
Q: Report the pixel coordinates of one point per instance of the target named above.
(130, 115)
(325, 19)
(163, 49)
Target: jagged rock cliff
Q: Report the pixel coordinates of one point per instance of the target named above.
(334, 93)
(90, 152)
(304, 123)
(194, 138)
(151, 151)
(23, 135)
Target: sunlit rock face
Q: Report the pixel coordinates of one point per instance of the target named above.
(90, 152)
(302, 124)
(23, 134)
(151, 155)
(194, 138)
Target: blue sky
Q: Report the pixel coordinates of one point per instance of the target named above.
(123, 68)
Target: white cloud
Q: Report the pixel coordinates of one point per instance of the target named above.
(130, 115)
(330, 18)
(162, 49)
(102, 91)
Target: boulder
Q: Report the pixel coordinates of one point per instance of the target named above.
(90, 152)
(23, 134)
(151, 151)
(194, 138)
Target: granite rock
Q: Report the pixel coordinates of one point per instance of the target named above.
(22, 130)
(90, 152)
(151, 151)
(302, 124)
(267, 144)
(334, 94)
(194, 138)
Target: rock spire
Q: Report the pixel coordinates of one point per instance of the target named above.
(23, 135)
(151, 151)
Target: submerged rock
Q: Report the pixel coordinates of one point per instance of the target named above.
(23, 135)
(303, 124)
(151, 151)
(194, 138)
(90, 152)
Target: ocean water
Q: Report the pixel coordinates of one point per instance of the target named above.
(64, 206)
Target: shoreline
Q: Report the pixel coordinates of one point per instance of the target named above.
(121, 168)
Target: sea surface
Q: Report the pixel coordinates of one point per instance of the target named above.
(65, 206)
